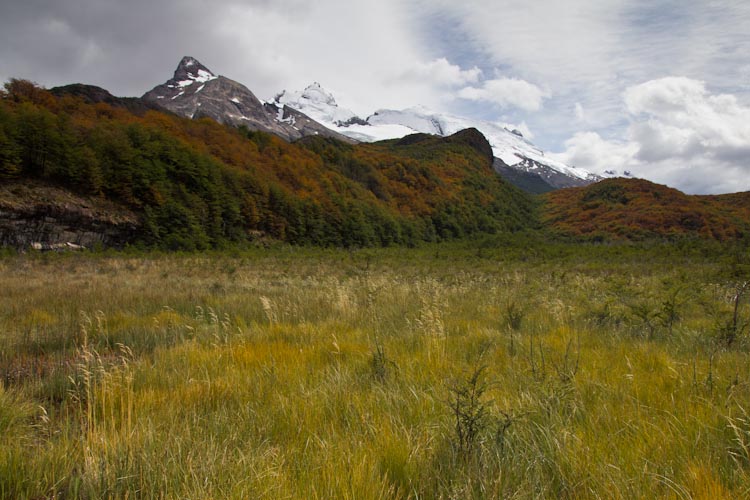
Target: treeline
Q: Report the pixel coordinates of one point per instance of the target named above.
(198, 184)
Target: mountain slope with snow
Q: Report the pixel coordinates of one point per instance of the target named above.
(318, 104)
(508, 146)
(195, 92)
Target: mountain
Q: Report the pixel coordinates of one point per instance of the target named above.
(319, 104)
(530, 182)
(92, 95)
(80, 166)
(75, 169)
(636, 209)
(517, 158)
(195, 92)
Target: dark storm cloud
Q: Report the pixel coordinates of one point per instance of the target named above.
(115, 44)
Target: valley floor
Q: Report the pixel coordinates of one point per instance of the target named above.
(440, 372)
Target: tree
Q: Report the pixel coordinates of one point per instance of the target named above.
(10, 156)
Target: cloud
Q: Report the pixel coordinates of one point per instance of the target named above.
(590, 151)
(607, 44)
(443, 73)
(356, 48)
(684, 120)
(679, 134)
(580, 112)
(506, 92)
(591, 52)
(521, 127)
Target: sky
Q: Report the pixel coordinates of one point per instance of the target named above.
(656, 88)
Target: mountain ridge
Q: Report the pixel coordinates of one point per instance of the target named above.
(510, 147)
(197, 184)
(195, 92)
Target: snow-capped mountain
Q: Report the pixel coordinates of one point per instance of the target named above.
(509, 146)
(319, 105)
(194, 92)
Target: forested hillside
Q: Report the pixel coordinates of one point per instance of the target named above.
(196, 184)
(636, 209)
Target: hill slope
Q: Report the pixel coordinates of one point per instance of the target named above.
(636, 209)
(200, 184)
(93, 95)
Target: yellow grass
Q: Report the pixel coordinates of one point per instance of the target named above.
(311, 374)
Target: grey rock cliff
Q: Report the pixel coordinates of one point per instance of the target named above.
(44, 217)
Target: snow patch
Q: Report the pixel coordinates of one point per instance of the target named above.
(202, 76)
(508, 158)
(205, 76)
(291, 120)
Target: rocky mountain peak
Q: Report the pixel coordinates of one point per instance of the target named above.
(195, 92)
(316, 93)
(190, 71)
(319, 104)
(313, 95)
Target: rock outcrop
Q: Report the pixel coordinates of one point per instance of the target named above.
(34, 216)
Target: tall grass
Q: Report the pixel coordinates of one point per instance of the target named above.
(430, 373)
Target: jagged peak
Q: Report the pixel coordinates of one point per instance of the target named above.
(279, 98)
(317, 94)
(313, 93)
(188, 61)
(319, 104)
(189, 71)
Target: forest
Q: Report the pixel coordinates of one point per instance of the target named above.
(199, 185)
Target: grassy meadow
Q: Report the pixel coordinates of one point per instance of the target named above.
(430, 373)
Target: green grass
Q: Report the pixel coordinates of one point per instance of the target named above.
(301, 373)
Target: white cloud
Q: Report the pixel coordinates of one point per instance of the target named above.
(506, 92)
(607, 44)
(665, 95)
(364, 56)
(589, 52)
(521, 127)
(685, 120)
(443, 73)
(680, 134)
(580, 113)
(590, 151)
